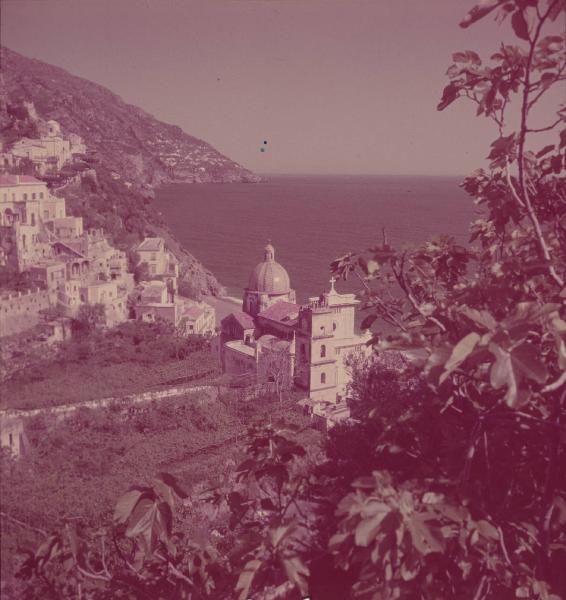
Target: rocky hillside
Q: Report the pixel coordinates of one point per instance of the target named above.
(129, 141)
(129, 152)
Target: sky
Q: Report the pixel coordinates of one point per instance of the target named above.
(333, 86)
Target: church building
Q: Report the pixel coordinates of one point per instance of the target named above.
(316, 337)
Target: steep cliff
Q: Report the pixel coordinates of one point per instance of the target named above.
(129, 152)
(129, 141)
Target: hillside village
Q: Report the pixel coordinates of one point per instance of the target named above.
(56, 273)
(62, 266)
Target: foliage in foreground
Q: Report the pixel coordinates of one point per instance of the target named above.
(463, 488)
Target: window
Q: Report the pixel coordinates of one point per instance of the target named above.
(11, 439)
(322, 351)
(41, 195)
(33, 218)
(45, 215)
(333, 326)
(33, 196)
(323, 378)
(25, 197)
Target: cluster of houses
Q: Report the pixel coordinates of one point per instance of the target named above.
(66, 266)
(157, 296)
(46, 154)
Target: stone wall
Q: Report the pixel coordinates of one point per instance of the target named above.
(20, 310)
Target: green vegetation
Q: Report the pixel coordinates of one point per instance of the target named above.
(106, 203)
(452, 484)
(130, 358)
(74, 468)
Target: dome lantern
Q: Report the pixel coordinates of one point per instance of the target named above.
(268, 283)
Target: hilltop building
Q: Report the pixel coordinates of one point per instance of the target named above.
(50, 151)
(316, 337)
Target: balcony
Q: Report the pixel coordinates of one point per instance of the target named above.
(323, 335)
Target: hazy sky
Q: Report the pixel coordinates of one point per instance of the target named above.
(334, 86)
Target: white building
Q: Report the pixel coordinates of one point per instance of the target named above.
(319, 335)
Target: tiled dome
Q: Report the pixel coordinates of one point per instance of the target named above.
(269, 276)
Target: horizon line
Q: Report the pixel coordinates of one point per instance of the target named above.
(311, 174)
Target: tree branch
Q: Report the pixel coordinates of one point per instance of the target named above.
(557, 122)
(22, 524)
(400, 276)
(525, 106)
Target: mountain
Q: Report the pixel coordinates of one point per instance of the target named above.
(129, 152)
(129, 141)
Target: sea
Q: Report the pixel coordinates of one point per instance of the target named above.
(310, 220)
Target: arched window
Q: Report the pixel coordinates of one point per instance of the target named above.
(322, 351)
(334, 326)
(323, 378)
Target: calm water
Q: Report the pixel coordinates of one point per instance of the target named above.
(310, 221)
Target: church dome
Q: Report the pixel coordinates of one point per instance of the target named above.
(269, 276)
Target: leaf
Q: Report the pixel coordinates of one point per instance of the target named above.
(172, 482)
(466, 56)
(510, 367)
(526, 359)
(426, 538)
(450, 93)
(337, 539)
(460, 352)
(556, 9)
(480, 317)
(487, 529)
(280, 533)
(297, 572)
(367, 322)
(519, 25)
(545, 150)
(368, 528)
(479, 11)
(502, 146)
(246, 578)
(147, 524)
(126, 504)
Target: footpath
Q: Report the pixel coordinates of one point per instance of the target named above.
(64, 410)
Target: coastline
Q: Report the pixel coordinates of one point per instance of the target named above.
(223, 305)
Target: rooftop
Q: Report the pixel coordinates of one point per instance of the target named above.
(193, 313)
(11, 180)
(283, 312)
(151, 244)
(239, 346)
(243, 319)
